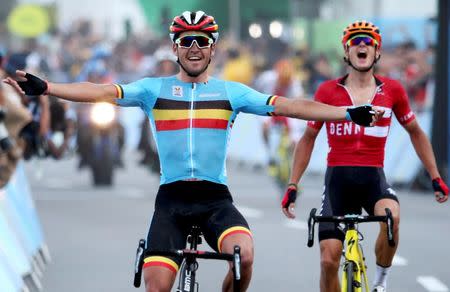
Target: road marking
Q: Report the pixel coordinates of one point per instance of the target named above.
(432, 284)
(296, 224)
(399, 261)
(250, 212)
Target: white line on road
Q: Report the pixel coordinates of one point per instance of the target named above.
(296, 224)
(432, 284)
(399, 261)
(250, 212)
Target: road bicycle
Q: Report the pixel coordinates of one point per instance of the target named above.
(354, 267)
(187, 280)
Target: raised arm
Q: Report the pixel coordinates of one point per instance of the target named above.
(79, 92)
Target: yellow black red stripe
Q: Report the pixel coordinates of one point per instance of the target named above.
(119, 91)
(230, 231)
(158, 261)
(172, 115)
(162, 103)
(271, 101)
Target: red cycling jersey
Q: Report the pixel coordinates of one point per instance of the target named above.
(353, 145)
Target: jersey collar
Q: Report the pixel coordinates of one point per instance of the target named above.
(341, 81)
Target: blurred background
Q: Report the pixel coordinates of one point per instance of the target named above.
(108, 41)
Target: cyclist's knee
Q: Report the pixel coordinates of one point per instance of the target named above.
(329, 265)
(247, 258)
(330, 254)
(158, 279)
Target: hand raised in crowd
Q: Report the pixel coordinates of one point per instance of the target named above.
(440, 190)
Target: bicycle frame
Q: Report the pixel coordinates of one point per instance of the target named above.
(353, 253)
(354, 267)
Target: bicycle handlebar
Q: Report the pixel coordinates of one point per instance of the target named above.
(348, 219)
(186, 253)
(191, 253)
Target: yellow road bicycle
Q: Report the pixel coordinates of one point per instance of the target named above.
(354, 268)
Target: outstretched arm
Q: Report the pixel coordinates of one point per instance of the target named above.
(305, 109)
(365, 115)
(78, 92)
(424, 150)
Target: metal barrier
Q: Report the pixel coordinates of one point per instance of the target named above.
(23, 252)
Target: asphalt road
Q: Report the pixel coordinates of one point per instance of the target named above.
(92, 233)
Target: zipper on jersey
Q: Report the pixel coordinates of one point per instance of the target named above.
(191, 123)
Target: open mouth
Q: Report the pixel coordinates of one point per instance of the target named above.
(362, 55)
(194, 58)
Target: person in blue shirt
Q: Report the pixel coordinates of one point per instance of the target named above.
(191, 116)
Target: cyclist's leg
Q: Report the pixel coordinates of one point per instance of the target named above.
(158, 279)
(224, 229)
(383, 251)
(168, 230)
(330, 254)
(245, 242)
(382, 196)
(337, 199)
(160, 272)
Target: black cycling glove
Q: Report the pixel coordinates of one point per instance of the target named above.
(361, 115)
(34, 85)
(289, 196)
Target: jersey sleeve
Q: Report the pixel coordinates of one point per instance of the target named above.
(142, 93)
(247, 100)
(401, 107)
(320, 96)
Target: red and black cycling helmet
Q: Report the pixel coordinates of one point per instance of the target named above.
(361, 27)
(194, 21)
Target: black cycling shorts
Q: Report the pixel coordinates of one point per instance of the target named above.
(181, 204)
(348, 189)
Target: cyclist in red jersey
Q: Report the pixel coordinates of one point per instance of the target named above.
(354, 178)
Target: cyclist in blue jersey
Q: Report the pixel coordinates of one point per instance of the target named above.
(191, 115)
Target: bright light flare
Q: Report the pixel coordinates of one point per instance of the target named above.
(103, 113)
(255, 30)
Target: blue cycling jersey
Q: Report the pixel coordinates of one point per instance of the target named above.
(191, 122)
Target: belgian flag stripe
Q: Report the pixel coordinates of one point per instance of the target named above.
(119, 91)
(162, 103)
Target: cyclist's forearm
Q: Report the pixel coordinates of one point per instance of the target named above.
(424, 150)
(302, 156)
(83, 91)
(308, 110)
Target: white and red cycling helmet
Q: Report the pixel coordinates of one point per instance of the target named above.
(194, 21)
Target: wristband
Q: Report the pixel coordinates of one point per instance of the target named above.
(293, 185)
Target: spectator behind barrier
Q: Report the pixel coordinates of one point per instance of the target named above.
(13, 118)
(34, 133)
